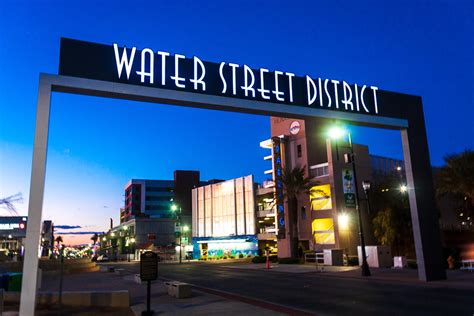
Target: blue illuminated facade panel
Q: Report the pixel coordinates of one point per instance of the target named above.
(219, 247)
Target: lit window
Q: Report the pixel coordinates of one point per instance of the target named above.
(323, 231)
(320, 197)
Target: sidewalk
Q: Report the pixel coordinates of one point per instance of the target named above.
(291, 268)
(200, 303)
(455, 278)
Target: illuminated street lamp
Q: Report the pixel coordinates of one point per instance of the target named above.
(131, 241)
(403, 188)
(177, 209)
(336, 133)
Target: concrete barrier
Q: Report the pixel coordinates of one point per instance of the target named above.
(179, 289)
(84, 298)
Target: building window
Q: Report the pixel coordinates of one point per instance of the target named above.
(298, 150)
(323, 231)
(303, 212)
(321, 170)
(158, 189)
(320, 196)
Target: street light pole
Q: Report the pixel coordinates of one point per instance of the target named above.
(174, 207)
(336, 133)
(365, 266)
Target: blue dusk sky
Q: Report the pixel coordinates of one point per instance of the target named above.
(96, 145)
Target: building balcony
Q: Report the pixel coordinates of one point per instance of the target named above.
(264, 191)
(266, 213)
(268, 184)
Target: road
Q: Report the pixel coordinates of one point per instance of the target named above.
(325, 295)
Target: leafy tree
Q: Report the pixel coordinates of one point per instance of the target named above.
(391, 219)
(295, 182)
(454, 183)
(457, 176)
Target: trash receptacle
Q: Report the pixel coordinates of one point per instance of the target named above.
(14, 282)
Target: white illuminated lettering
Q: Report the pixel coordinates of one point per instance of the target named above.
(347, 96)
(163, 66)
(248, 87)
(336, 98)
(221, 74)
(362, 98)
(277, 92)
(262, 90)
(176, 76)
(124, 61)
(357, 96)
(320, 86)
(327, 92)
(310, 83)
(197, 81)
(143, 73)
(374, 89)
(234, 81)
(290, 84)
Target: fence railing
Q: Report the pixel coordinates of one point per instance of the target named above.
(314, 257)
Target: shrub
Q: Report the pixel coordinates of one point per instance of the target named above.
(249, 256)
(412, 264)
(258, 259)
(225, 257)
(352, 261)
(288, 260)
(241, 255)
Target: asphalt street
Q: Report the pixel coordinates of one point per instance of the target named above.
(325, 295)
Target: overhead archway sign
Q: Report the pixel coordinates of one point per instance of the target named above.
(151, 75)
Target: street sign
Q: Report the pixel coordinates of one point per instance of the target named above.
(348, 186)
(148, 266)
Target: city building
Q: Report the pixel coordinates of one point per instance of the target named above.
(47, 238)
(12, 235)
(153, 216)
(385, 165)
(224, 219)
(326, 216)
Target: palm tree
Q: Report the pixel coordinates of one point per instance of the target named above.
(9, 201)
(457, 176)
(94, 238)
(59, 240)
(295, 182)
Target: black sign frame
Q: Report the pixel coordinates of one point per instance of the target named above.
(149, 266)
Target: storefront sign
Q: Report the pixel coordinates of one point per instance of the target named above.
(161, 69)
(295, 127)
(348, 186)
(13, 225)
(279, 199)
